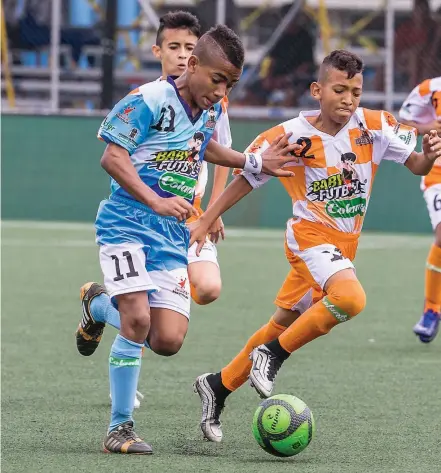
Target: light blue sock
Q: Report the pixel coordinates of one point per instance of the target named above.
(124, 368)
(103, 311)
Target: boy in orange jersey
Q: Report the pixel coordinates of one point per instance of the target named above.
(422, 109)
(342, 147)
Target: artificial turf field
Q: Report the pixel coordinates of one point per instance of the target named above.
(373, 388)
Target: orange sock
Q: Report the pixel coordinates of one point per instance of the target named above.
(236, 373)
(344, 300)
(433, 280)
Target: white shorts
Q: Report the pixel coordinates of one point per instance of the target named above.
(208, 253)
(432, 196)
(324, 259)
(124, 270)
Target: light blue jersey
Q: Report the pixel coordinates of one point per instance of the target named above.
(166, 144)
(139, 249)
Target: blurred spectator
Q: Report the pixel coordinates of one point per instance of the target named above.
(29, 27)
(288, 70)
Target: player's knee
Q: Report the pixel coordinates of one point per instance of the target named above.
(136, 326)
(207, 292)
(346, 298)
(166, 344)
(135, 316)
(141, 321)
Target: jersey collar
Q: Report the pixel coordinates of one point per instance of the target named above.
(303, 115)
(171, 81)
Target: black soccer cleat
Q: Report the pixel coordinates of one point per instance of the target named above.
(124, 440)
(89, 332)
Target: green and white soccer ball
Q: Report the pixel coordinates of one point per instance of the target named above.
(283, 425)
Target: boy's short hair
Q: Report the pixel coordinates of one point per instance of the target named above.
(343, 61)
(229, 42)
(175, 20)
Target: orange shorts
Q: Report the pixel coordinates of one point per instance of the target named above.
(197, 205)
(315, 253)
(434, 176)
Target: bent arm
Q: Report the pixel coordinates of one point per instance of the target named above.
(223, 156)
(116, 162)
(419, 164)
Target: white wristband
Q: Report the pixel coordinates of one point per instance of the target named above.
(253, 163)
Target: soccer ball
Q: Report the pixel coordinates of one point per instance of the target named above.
(283, 425)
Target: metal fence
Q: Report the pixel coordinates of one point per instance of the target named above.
(77, 56)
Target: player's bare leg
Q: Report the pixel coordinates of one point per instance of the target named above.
(213, 388)
(345, 299)
(205, 280)
(167, 331)
(427, 327)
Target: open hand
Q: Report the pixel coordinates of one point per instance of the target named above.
(432, 145)
(198, 233)
(277, 155)
(217, 230)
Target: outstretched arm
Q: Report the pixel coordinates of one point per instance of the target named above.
(236, 191)
(421, 163)
(117, 163)
(269, 162)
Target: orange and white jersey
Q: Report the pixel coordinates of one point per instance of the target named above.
(423, 105)
(222, 134)
(334, 174)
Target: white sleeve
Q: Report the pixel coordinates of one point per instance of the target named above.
(222, 132)
(416, 108)
(256, 180)
(259, 145)
(398, 140)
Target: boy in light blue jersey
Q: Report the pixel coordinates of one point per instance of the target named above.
(157, 138)
(176, 39)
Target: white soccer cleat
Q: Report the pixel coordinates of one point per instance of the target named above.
(211, 410)
(138, 397)
(265, 365)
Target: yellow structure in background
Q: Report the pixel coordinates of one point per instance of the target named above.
(10, 92)
(328, 32)
(246, 22)
(325, 27)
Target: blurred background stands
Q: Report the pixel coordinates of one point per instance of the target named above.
(400, 41)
